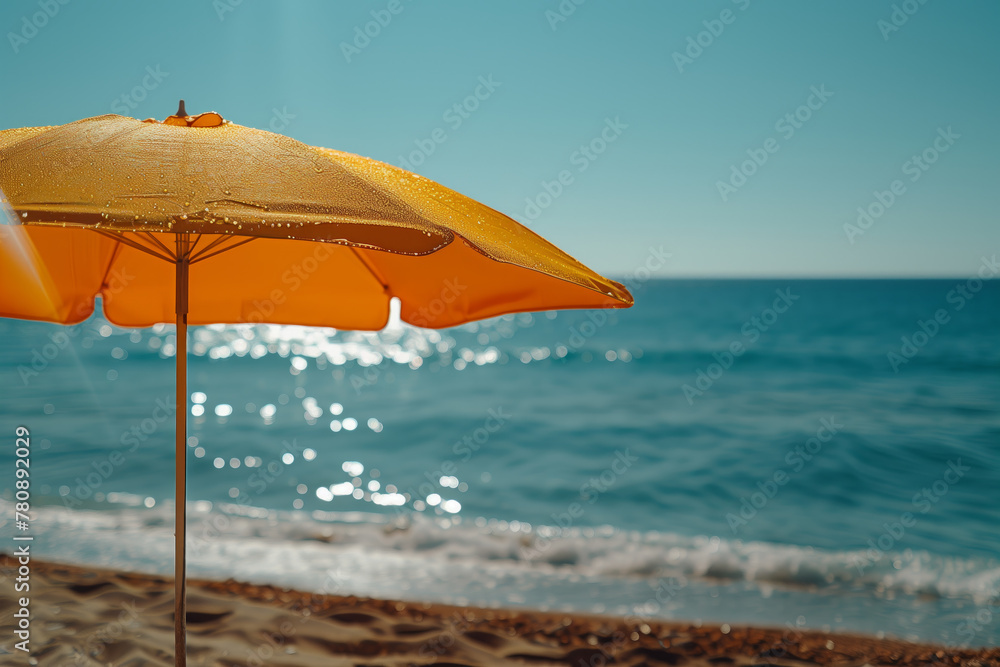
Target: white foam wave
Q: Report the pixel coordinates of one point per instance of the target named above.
(265, 542)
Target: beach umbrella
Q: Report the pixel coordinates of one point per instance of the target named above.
(196, 220)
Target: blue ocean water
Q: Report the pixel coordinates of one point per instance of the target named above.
(817, 453)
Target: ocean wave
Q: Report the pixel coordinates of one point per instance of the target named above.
(222, 534)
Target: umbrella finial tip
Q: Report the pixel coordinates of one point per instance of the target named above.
(180, 109)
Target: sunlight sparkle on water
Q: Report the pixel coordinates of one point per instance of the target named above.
(342, 489)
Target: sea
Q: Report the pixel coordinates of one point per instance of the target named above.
(793, 453)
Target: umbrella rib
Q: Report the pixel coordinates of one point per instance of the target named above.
(371, 269)
(194, 244)
(203, 256)
(155, 240)
(212, 244)
(114, 255)
(138, 246)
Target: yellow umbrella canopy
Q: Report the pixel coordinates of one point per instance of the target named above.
(198, 220)
(252, 204)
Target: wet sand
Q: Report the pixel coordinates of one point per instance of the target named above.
(99, 617)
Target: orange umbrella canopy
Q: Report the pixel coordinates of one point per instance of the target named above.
(250, 206)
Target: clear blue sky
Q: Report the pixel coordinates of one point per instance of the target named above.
(657, 183)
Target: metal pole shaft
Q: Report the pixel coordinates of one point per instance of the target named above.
(180, 457)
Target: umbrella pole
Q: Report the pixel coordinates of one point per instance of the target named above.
(180, 457)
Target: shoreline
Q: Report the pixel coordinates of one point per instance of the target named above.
(80, 615)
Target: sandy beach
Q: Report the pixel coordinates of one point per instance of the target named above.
(102, 617)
